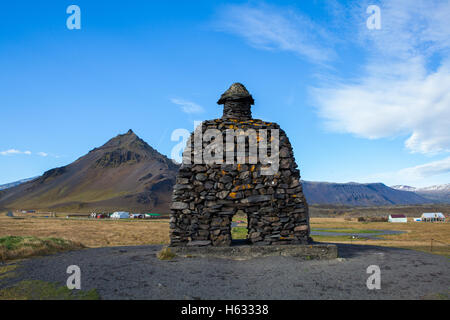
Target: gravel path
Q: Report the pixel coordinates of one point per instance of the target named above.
(136, 273)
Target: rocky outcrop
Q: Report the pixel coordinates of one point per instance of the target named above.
(116, 158)
(52, 174)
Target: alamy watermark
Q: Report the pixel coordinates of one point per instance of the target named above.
(74, 280)
(374, 281)
(74, 20)
(374, 20)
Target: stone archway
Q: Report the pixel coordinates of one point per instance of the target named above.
(209, 190)
(239, 228)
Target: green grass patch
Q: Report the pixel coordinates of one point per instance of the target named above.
(239, 233)
(8, 271)
(18, 247)
(437, 296)
(41, 290)
(166, 254)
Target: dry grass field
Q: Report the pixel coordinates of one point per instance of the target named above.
(101, 233)
(90, 232)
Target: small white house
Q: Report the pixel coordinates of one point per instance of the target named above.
(120, 215)
(397, 218)
(432, 216)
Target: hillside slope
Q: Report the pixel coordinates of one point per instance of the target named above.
(123, 174)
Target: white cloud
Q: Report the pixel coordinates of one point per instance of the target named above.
(418, 176)
(188, 106)
(428, 169)
(398, 94)
(409, 28)
(270, 28)
(415, 104)
(18, 152)
(14, 151)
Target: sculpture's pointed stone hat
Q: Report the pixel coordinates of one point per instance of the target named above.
(237, 92)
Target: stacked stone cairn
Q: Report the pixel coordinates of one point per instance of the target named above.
(206, 196)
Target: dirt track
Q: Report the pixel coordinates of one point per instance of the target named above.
(136, 273)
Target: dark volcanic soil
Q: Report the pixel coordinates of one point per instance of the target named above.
(136, 273)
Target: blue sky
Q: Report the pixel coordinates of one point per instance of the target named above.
(357, 104)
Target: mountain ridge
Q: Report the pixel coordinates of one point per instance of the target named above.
(358, 194)
(440, 193)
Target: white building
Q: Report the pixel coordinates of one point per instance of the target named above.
(120, 215)
(397, 218)
(432, 216)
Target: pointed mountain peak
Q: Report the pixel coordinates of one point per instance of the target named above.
(128, 136)
(129, 144)
(121, 140)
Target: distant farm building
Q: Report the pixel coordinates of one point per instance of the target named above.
(432, 217)
(75, 215)
(120, 215)
(152, 215)
(397, 218)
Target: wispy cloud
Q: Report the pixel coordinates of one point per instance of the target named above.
(18, 152)
(188, 106)
(272, 28)
(409, 28)
(416, 175)
(398, 93)
(428, 169)
(14, 151)
(414, 103)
